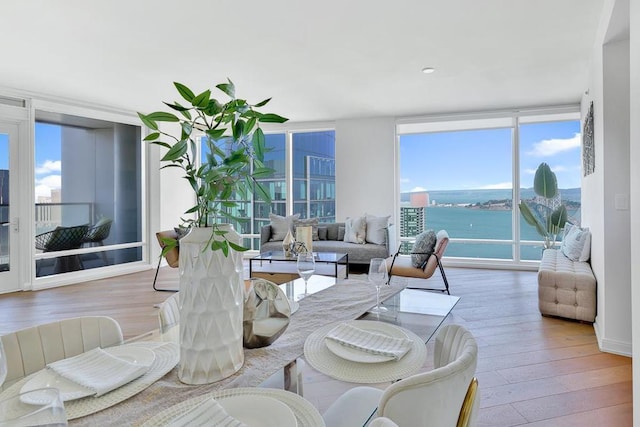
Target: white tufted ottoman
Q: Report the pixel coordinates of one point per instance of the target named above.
(566, 288)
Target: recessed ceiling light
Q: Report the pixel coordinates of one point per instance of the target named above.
(428, 70)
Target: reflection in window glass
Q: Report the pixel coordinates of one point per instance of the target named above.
(4, 202)
(87, 174)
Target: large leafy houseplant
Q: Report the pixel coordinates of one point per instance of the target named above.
(234, 161)
(545, 213)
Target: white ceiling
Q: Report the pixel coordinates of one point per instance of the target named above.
(322, 60)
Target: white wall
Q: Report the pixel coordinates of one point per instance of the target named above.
(365, 167)
(610, 255)
(634, 156)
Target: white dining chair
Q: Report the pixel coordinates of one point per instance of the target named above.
(31, 349)
(433, 398)
(382, 422)
(169, 312)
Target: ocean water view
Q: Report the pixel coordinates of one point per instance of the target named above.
(447, 211)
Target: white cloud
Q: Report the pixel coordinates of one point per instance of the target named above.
(49, 166)
(405, 180)
(45, 184)
(550, 147)
(416, 189)
(499, 186)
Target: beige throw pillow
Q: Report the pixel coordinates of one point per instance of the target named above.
(281, 225)
(355, 230)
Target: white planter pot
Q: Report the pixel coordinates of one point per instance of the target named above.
(211, 307)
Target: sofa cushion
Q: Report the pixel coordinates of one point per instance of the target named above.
(423, 248)
(322, 233)
(355, 230)
(311, 222)
(576, 243)
(340, 237)
(281, 225)
(376, 231)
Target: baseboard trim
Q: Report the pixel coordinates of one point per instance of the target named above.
(621, 348)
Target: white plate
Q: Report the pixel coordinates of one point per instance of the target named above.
(259, 411)
(69, 390)
(360, 356)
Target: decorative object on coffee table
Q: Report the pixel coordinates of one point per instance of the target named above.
(211, 282)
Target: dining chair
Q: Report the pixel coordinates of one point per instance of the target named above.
(382, 422)
(433, 398)
(31, 349)
(169, 313)
(403, 265)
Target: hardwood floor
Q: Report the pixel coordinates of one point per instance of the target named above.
(532, 370)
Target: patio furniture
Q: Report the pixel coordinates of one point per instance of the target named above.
(63, 239)
(97, 234)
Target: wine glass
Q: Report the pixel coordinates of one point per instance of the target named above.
(306, 267)
(378, 276)
(39, 407)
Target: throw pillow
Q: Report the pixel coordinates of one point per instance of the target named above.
(311, 222)
(281, 225)
(322, 233)
(355, 230)
(377, 229)
(423, 248)
(340, 237)
(576, 243)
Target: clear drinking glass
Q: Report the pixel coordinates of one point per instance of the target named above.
(45, 408)
(306, 268)
(378, 276)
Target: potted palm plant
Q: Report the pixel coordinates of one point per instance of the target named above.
(546, 212)
(211, 282)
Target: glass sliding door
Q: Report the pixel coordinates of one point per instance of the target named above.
(9, 280)
(88, 193)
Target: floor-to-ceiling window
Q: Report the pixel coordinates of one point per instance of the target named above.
(302, 181)
(466, 176)
(88, 193)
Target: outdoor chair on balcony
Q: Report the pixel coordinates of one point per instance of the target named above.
(424, 260)
(97, 234)
(63, 239)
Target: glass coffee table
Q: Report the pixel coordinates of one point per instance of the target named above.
(278, 268)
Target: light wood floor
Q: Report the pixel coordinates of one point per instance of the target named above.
(532, 370)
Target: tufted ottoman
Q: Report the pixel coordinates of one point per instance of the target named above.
(566, 288)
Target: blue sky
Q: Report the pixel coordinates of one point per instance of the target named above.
(4, 151)
(481, 159)
(48, 155)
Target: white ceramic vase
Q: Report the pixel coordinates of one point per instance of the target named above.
(211, 308)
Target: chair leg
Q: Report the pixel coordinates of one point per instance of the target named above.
(156, 278)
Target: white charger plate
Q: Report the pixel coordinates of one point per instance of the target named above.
(360, 356)
(259, 411)
(70, 390)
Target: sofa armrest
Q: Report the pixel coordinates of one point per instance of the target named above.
(265, 234)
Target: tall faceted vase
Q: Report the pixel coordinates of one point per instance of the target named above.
(211, 298)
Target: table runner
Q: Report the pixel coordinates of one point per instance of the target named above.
(344, 301)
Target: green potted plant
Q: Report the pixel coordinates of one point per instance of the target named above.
(546, 212)
(236, 147)
(210, 262)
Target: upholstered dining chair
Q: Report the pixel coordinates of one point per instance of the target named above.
(172, 256)
(31, 349)
(169, 312)
(97, 233)
(403, 265)
(63, 239)
(434, 398)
